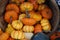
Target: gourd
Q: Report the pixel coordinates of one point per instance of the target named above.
(1, 31)
(17, 24)
(40, 1)
(17, 35)
(28, 29)
(10, 38)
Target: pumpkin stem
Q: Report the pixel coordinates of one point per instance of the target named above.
(10, 19)
(27, 14)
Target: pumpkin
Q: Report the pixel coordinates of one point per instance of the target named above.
(24, 39)
(40, 1)
(45, 25)
(17, 35)
(21, 16)
(9, 29)
(47, 13)
(10, 14)
(17, 24)
(28, 35)
(28, 21)
(17, 1)
(28, 28)
(1, 31)
(13, 7)
(10, 38)
(37, 28)
(42, 7)
(35, 16)
(4, 36)
(26, 6)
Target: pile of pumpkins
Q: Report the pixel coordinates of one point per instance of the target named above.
(26, 18)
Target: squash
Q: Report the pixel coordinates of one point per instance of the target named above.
(26, 6)
(45, 25)
(13, 7)
(28, 29)
(17, 1)
(17, 24)
(35, 16)
(28, 21)
(9, 29)
(9, 15)
(17, 35)
(28, 35)
(10, 38)
(47, 13)
(40, 1)
(21, 16)
(4, 36)
(37, 28)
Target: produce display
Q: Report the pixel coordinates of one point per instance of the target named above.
(25, 18)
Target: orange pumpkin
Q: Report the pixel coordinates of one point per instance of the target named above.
(47, 13)
(26, 6)
(10, 38)
(28, 21)
(10, 14)
(13, 7)
(35, 16)
(37, 28)
(1, 31)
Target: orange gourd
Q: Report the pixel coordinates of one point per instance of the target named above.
(9, 15)
(37, 28)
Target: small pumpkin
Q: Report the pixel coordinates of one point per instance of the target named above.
(17, 35)
(4, 36)
(37, 28)
(28, 35)
(40, 1)
(10, 14)
(28, 21)
(28, 28)
(17, 24)
(9, 29)
(42, 7)
(35, 16)
(45, 25)
(26, 6)
(47, 13)
(13, 7)
(17, 1)
(21, 16)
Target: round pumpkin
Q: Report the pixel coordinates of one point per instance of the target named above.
(28, 21)
(37, 28)
(45, 25)
(26, 6)
(40, 1)
(21, 16)
(9, 28)
(28, 28)
(17, 24)
(35, 16)
(4, 36)
(17, 35)
(13, 7)
(10, 14)
(47, 13)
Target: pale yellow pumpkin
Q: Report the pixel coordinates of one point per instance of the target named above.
(17, 35)
(28, 28)
(9, 29)
(26, 6)
(45, 25)
(21, 16)
(17, 24)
